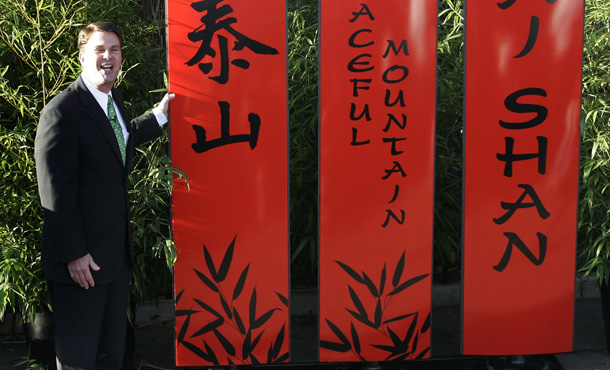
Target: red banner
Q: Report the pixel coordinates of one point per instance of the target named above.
(377, 111)
(522, 114)
(227, 66)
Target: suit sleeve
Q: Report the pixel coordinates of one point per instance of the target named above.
(145, 128)
(56, 153)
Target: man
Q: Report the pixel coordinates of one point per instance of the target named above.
(82, 164)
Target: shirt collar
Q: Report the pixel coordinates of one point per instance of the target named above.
(100, 97)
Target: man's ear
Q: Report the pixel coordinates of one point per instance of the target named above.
(80, 57)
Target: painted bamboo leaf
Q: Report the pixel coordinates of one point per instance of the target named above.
(226, 308)
(253, 300)
(355, 339)
(283, 358)
(213, 325)
(276, 347)
(240, 283)
(206, 307)
(223, 271)
(378, 314)
(246, 347)
(357, 302)
(178, 296)
(382, 282)
(400, 266)
(209, 357)
(351, 272)
(226, 344)
(211, 354)
(370, 285)
(210, 263)
(283, 299)
(185, 312)
(206, 281)
(184, 328)
(239, 322)
(423, 353)
(411, 330)
(344, 346)
(426, 325)
(398, 318)
(408, 283)
(363, 319)
(263, 319)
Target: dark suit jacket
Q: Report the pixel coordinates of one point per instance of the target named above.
(83, 183)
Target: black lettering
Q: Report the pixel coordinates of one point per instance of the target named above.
(509, 157)
(514, 240)
(528, 190)
(512, 105)
(397, 168)
(352, 39)
(401, 75)
(363, 11)
(391, 46)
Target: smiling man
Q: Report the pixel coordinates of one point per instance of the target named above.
(84, 148)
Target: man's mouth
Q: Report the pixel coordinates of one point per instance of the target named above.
(107, 67)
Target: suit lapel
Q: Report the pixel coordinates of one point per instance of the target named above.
(96, 113)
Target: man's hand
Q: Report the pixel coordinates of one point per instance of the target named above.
(164, 104)
(80, 271)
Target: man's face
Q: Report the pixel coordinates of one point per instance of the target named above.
(101, 60)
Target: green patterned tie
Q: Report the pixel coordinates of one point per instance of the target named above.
(116, 126)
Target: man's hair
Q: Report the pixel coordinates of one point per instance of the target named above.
(85, 33)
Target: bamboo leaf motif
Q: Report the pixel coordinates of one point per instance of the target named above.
(263, 319)
(226, 308)
(178, 296)
(398, 271)
(283, 299)
(212, 356)
(210, 263)
(276, 347)
(408, 283)
(355, 339)
(223, 271)
(378, 314)
(283, 358)
(343, 346)
(423, 353)
(206, 281)
(246, 346)
(398, 318)
(211, 326)
(370, 285)
(240, 283)
(411, 330)
(239, 322)
(253, 306)
(206, 307)
(184, 328)
(351, 272)
(426, 325)
(255, 342)
(185, 312)
(226, 344)
(357, 303)
(382, 282)
(208, 356)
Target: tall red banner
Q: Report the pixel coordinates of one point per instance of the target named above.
(522, 113)
(227, 66)
(377, 125)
